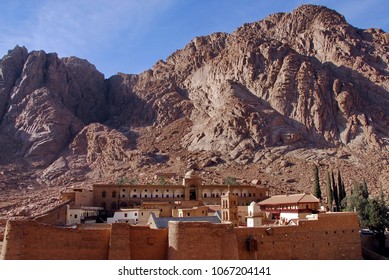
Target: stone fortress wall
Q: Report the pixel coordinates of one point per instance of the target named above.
(30, 240)
(332, 236)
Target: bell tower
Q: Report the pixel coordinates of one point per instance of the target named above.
(229, 209)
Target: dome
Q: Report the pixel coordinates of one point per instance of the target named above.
(192, 174)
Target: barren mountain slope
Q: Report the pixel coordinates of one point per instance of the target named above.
(265, 102)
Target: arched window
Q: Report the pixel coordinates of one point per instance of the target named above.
(113, 194)
(104, 194)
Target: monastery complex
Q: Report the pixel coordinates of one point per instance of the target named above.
(188, 221)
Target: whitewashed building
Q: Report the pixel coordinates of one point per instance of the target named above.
(82, 215)
(132, 216)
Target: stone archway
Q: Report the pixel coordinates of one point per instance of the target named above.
(192, 193)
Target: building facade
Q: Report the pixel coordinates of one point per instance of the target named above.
(132, 216)
(229, 209)
(288, 207)
(112, 197)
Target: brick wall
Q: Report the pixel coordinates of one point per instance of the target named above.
(137, 243)
(29, 240)
(333, 236)
(201, 240)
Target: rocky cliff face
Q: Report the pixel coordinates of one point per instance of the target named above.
(45, 101)
(306, 76)
(304, 85)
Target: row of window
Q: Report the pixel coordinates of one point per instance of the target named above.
(205, 195)
(114, 195)
(134, 190)
(135, 214)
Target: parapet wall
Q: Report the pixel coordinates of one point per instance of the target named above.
(201, 241)
(332, 236)
(137, 243)
(29, 240)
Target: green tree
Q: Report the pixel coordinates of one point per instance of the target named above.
(357, 202)
(335, 190)
(316, 187)
(340, 187)
(229, 180)
(365, 191)
(122, 181)
(329, 192)
(161, 181)
(372, 212)
(378, 220)
(341, 192)
(133, 181)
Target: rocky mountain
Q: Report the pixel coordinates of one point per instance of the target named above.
(264, 102)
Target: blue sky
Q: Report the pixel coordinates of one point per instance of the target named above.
(129, 36)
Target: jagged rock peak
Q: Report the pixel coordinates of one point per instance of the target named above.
(17, 50)
(304, 18)
(322, 13)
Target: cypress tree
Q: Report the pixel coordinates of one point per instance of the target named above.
(358, 203)
(335, 190)
(329, 192)
(317, 190)
(340, 196)
(365, 191)
(340, 186)
(344, 190)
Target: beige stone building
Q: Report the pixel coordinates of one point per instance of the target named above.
(290, 207)
(197, 211)
(112, 197)
(229, 209)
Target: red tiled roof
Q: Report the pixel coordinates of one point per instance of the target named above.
(290, 199)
